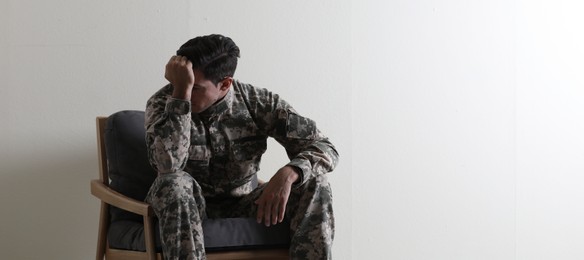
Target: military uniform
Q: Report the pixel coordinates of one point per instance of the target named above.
(207, 163)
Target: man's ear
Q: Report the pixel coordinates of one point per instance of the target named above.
(225, 83)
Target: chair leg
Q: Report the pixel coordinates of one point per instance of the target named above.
(149, 237)
(102, 231)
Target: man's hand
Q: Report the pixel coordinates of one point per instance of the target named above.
(272, 202)
(179, 72)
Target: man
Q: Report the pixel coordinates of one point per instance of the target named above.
(206, 133)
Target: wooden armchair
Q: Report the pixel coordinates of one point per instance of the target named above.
(109, 197)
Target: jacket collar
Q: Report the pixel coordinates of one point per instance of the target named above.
(218, 108)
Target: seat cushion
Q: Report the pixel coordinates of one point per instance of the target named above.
(220, 235)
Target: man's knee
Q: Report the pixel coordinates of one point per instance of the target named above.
(171, 189)
(317, 185)
(313, 197)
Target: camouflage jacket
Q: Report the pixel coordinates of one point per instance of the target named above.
(221, 147)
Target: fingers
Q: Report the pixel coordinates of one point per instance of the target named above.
(282, 209)
(181, 60)
(271, 211)
(179, 72)
(178, 61)
(260, 213)
(274, 213)
(266, 212)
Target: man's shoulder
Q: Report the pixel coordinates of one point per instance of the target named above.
(241, 87)
(249, 91)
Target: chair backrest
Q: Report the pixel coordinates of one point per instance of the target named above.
(102, 158)
(126, 166)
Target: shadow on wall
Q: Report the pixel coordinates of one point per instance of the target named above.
(47, 209)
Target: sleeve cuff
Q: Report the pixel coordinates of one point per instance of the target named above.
(303, 170)
(178, 106)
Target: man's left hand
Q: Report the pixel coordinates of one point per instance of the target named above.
(272, 202)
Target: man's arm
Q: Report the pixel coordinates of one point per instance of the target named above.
(168, 120)
(310, 153)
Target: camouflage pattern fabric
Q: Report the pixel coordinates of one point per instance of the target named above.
(207, 161)
(181, 210)
(177, 202)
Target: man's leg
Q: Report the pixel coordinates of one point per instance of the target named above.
(180, 207)
(310, 212)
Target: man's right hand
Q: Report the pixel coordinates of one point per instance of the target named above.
(179, 72)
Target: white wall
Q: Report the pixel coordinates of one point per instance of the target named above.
(458, 122)
(64, 62)
(550, 130)
(433, 136)
(468, 129)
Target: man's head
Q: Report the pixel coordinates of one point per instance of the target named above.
(214, 55)
(214, 59)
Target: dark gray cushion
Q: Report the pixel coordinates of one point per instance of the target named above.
(131, 174)
(220, 235)
(129, 169)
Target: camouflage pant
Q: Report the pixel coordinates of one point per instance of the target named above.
(180, 207)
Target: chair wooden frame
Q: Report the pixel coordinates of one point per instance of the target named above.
(100, 189)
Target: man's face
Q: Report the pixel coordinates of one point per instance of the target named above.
(205, 93)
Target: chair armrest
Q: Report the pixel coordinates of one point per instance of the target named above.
(114, 198)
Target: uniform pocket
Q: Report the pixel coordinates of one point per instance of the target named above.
(199, 153)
